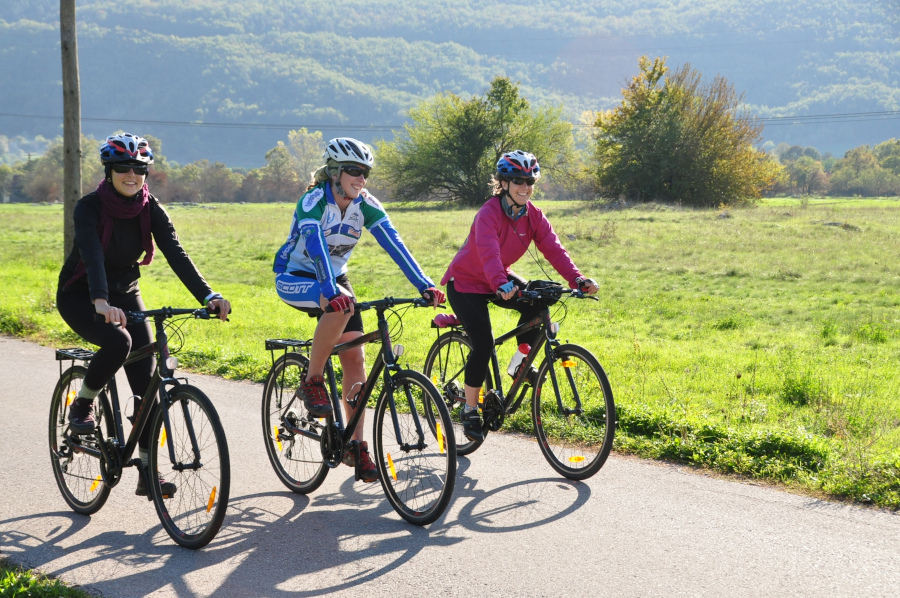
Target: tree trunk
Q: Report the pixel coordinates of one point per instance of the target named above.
(71, 121)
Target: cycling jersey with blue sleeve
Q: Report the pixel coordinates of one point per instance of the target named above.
(322, 239)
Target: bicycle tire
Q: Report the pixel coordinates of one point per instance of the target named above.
(193, 516)
(417, 481)
(444, 366)
(77, 474)
(296, 459)
(577, 445)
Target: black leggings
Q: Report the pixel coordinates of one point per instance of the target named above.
(113, 341)
(472, 311)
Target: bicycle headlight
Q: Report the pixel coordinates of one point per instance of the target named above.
(554, 328)
(171, 363)
(398, 350)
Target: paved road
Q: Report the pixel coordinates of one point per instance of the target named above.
(514, 528)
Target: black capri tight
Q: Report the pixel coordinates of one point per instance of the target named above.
(472, 311)
(113, 341)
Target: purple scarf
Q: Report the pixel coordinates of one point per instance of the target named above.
(113, 205)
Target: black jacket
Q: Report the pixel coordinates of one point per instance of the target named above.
(116, 269)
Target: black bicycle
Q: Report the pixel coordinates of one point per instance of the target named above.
(187, 442)
(415, 447)
(572, 408)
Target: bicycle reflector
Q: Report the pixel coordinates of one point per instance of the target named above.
(568, 363)
(70, 397)
(391, 466)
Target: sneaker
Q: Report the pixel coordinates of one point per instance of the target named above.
(168, 488)
(81, 416)
(471, 423)
(315, 397)
(367, 471)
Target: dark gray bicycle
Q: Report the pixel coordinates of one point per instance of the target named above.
(415, 446)
(187, 442)
(572, 407)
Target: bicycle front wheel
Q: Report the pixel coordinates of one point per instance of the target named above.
(445, 365)
(77, 473)
(189, 450)
(416, 456)
(574, 427)
(291, 434)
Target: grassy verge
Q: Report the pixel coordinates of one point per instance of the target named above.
(760, 341)
(16, 582)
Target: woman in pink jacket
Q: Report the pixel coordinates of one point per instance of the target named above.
(501, 233)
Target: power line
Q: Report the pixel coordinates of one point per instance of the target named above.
(837, 117)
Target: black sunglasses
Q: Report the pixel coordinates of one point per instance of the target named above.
(124, 168)
(523, 181)
(357, 171)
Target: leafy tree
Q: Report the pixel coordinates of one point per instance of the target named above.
(450, 150)
(807, 174)
(306, 152)
(859, 173)
(280, 181)
(888, 155)
(673, 139)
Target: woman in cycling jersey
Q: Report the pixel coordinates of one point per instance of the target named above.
(480, 272)
(311, 273)
(114, 226)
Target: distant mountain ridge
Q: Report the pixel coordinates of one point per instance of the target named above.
(352, 67)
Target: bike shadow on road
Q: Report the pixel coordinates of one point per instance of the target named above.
(271, 543)
(518, 505)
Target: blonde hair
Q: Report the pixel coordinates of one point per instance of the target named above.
(323, 173)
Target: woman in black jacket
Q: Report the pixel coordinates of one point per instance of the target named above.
(114, 226)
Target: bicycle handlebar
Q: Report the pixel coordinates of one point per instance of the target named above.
(137, 317)
(388, 302)
(554, 292)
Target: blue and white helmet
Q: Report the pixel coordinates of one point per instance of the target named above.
(126, 148)
(347, 149)
(518, 164)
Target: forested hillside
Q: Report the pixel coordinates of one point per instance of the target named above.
(355, 67)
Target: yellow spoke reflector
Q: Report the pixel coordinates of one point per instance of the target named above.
(162, 438)
(434, 379)
(568, 363)
(277, 440)
(96, 483)
(212, 499)
(440, 437)
(391, 467)
(576, 459)
(70, 397)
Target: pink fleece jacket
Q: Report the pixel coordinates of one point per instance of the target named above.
(495, 242)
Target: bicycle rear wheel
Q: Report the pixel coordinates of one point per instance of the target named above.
(576, 438)
(418, 467)
(77, 473)
(295, 457)
(192, 453)
(445, 367)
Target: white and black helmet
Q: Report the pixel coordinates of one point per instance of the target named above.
(347, 149)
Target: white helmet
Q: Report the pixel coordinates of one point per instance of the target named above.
(347, 149)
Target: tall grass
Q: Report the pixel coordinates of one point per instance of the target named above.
(760, 341)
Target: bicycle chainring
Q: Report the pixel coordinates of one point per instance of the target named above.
(332, 446)
(492, 411)
(111, 471)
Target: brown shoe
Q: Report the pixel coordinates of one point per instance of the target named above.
(366, 470)
(81, 416)
(168, 488)
(315, 397)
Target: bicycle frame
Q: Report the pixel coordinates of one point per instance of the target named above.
(384, 366)
(157, 395)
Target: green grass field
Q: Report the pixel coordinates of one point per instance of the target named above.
(758, 341)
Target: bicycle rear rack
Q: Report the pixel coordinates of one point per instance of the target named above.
(273, 344)
(73, 354)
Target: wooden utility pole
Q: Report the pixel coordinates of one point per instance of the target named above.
(71, 120)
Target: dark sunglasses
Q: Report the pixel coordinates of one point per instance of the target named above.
(523, 181)
(357, 171)
(124, 168)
